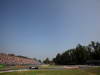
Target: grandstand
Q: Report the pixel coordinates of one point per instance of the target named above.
(11, 59)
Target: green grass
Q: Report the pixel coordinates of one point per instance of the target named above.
(60, 72)
(2, 65)
(50, 66)
(90, 71)
(4, 68)
(95, 71)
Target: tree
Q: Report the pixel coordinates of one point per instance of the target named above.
(79, 55)
(95, 50)
(46, 61)
(40, 61)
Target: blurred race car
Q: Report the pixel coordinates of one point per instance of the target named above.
(33, 67)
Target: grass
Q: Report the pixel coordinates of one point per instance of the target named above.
(1, 65)
(90, 71)
(60, 72)
(95, 71)
(5, 68)
(50, 66)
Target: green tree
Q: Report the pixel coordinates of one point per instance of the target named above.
(57, 59)
(46, 61)
(79, 55)
(95, 50)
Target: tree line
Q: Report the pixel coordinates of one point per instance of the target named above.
(79, 55)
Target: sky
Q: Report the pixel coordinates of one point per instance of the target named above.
(43, 28)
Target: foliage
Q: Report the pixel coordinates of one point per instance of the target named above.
(79, 55)
(46, 61)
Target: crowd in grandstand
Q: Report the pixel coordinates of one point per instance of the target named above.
(10, 59)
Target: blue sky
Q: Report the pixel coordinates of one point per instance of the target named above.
(43, 28)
